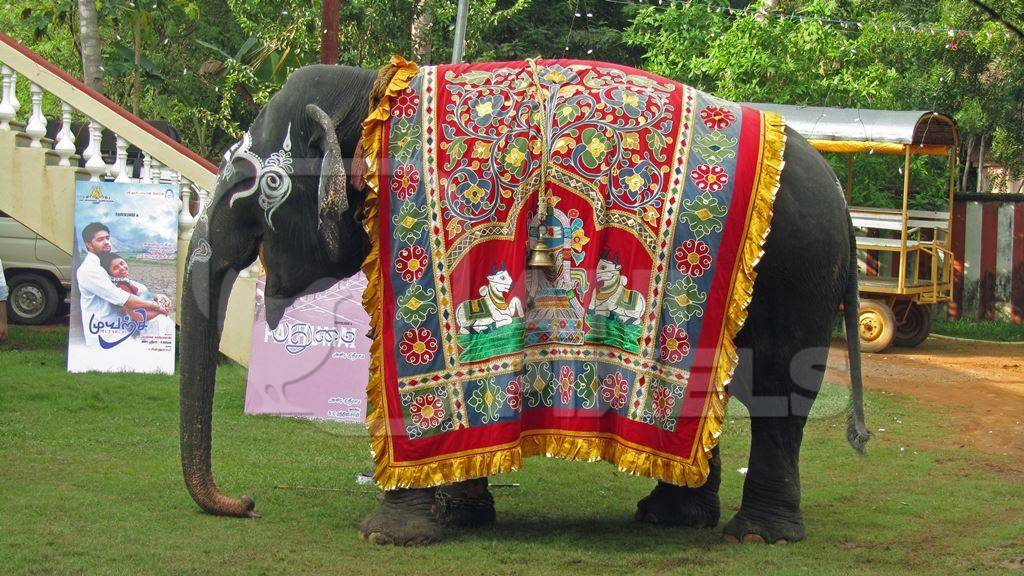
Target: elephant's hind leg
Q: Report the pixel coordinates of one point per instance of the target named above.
(403, 518)
(679, 506)
(465, 504)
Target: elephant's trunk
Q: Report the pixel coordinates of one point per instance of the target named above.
(202, 310)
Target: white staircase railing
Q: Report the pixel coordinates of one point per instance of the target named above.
(45, 204)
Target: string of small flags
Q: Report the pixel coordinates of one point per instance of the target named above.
(845, 24)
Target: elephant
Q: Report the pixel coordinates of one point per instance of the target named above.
(290, 194)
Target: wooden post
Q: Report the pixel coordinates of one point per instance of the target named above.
(329, 19)
(903, 233)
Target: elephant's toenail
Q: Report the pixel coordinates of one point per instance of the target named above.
(753, 538)
(730, 539)
(782, 541)
(380, 539)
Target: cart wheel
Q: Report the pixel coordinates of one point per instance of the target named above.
(877, 325)
(913, 323)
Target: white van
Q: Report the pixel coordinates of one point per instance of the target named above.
(38, 274)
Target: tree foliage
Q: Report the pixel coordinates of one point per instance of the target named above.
(978, 77)
(207, 67)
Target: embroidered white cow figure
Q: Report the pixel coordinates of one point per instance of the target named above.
(491, 310)
(612, 298)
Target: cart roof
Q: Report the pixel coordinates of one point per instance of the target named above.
(873, 129)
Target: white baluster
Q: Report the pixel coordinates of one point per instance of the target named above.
(36, 127)
(147, 168)
(65, 141)
(186, 221)
(175, 178)
(94, 164)
(156, 171)
(120, 167)
(14, 92)
(7, 111)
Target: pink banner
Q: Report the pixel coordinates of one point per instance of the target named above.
(315, 365)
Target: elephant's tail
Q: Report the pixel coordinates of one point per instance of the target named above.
(857, 433)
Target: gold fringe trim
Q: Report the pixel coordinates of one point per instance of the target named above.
(391, 80)
(563, 445)
(766, 186)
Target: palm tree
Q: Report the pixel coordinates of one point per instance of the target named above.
(92, 64)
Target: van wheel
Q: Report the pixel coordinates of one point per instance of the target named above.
(33, 299)
(913, 323)
(877, 325)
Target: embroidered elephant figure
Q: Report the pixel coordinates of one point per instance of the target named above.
(612, 298)
(492, 309)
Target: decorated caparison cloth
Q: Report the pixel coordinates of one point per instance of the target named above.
(652, 201)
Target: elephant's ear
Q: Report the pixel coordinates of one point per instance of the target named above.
(333, 199)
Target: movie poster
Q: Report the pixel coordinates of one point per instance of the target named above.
(316, 363)
(124, 278)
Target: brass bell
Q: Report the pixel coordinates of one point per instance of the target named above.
(542, 256)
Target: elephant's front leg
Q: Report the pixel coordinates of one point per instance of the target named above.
(679, 506)
(770, 511)
(465, 504)
(404, 518)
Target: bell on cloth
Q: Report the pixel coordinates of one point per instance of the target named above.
(550, 240)
(542, 256)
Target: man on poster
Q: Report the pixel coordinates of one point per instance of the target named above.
(101, 301)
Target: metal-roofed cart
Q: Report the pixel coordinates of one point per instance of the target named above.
(895, 303)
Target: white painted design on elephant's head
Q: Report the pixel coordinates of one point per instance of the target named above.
(273, 175)
(608, 272)
(201, 253)
(500, 282)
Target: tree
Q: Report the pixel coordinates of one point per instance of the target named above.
(743, 54)
(92, 63)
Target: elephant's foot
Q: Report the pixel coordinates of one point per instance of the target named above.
(676, 506)
(465, 504)
(403, 518)
(762, 529)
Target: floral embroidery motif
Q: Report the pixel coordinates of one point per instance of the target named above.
(427, 411)
(709, 177)
(416, 305)
(405, 181)
(410, 222)
(594, 146)
(488, 400)
(716, 147)
(411, 263)
(662, 403)
(488, 110)
(693, 258)
(632, 103)
(514, 392)
(614, 390)
(566, 382)
(685, 300)
(717, 118)
(703, 214)
(675, 343)
(405, 104)
(418, 346)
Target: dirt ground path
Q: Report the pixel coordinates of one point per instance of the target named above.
(979, 385)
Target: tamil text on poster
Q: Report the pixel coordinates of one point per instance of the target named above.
(315, 363)
(124, 278)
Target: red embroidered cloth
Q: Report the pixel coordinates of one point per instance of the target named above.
(655, 200)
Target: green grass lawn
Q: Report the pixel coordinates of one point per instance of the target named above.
(980, 330)
(90, 484)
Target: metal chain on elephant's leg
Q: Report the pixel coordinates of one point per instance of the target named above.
(465, 504)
